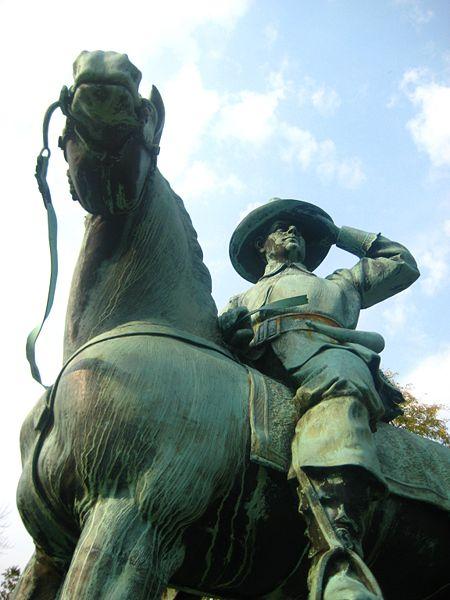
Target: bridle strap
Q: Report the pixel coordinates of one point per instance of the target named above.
(52, 223)
(41, 175)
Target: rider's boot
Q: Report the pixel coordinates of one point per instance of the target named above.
(336, 504)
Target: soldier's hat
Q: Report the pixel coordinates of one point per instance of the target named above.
(307, 217)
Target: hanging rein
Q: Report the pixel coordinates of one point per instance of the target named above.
(42, 162)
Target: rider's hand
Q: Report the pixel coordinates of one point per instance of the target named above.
(236, 327)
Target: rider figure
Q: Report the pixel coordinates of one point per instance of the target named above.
(302, 330)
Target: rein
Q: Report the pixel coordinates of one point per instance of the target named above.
(42, 163)
(52, 225)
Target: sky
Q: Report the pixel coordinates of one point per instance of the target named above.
(342, 103)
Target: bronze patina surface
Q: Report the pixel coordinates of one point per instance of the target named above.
(143, 466)
(313, 346)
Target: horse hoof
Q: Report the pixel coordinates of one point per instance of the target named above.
(344, 587)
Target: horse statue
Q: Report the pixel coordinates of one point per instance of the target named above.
(137, 471)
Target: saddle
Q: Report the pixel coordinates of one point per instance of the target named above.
(414, 467)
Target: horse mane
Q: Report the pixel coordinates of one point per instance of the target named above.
(198, 264)
(203, 290)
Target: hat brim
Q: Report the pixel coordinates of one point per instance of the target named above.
(244, 256)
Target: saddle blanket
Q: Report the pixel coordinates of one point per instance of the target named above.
(414, 467)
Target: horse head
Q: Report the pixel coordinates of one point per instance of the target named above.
(111, 139)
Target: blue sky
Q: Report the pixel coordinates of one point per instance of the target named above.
(342, 103)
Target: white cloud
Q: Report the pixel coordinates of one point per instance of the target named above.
(324, 99)
(430, 128)
(395, 317)
(270, 32)
(398, 312)
(434, 264)
(190, 108)
(433, 257)
(303, 147)
(248, 209)
(350, 172)
(416, 11)
(429, 379)
(193, 111)
(278, 82)
(250, 117)
(200, 179)
(446, 227)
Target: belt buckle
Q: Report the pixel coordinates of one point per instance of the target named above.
(267, 330)
(272, 329)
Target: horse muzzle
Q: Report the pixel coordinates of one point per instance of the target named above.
(104, 113)
(105, 102)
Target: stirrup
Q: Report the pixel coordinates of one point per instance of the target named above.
(361, 570)
(327, 545)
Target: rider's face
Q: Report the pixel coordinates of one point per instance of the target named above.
(284, 242)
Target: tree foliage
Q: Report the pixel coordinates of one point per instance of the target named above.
(420, 418)
(10, 577)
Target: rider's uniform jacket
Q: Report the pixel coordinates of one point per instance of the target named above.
(384, 269)
(340, 392)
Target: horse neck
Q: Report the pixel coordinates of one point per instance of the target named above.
(145, 266)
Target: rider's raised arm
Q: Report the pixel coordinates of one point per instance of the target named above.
(384, 269)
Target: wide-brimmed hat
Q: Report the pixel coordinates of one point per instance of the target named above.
(244, 256)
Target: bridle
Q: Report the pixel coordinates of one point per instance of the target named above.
(42, 163)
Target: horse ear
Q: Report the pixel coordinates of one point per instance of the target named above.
(157, 101)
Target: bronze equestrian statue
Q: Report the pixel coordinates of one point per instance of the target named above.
(314, 347)
(159, 457)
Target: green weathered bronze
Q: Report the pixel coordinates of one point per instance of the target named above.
(158, 458)
(314, 348)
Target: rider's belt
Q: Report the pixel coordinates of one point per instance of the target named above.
(273, 327)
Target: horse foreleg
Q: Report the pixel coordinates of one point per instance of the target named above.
(118, 556)
(41, 579)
